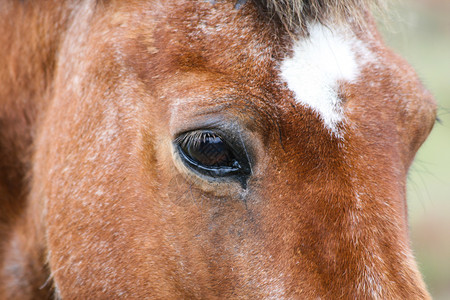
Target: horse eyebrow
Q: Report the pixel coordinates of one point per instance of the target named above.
(294, 14)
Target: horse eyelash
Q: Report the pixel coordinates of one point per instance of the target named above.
(193, 139)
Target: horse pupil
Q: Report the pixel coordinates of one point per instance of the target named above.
(211, 151)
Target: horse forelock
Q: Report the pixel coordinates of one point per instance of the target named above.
(294, 14)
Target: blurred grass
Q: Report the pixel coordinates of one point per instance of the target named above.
(420, 32)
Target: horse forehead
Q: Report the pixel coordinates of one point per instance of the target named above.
(310, 68)
(312, 71)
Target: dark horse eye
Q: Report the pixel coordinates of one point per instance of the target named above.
(209, 154)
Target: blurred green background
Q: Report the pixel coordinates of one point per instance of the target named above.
(419, 30)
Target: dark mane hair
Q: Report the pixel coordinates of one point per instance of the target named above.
(293, 14)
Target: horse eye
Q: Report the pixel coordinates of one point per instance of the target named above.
(209, 154)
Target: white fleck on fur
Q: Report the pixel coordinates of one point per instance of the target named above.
(329, 55)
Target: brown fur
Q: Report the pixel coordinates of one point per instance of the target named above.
(95, 205)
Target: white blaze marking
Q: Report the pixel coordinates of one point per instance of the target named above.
(318, 63)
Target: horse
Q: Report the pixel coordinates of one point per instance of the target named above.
(205, 149)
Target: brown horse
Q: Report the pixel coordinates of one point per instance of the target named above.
(205, 149)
